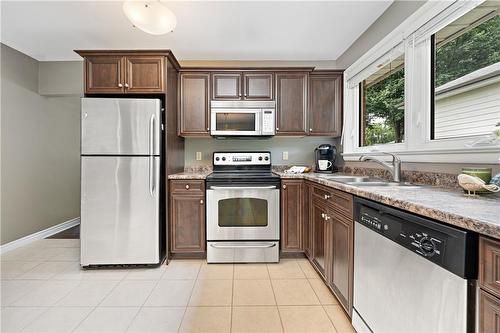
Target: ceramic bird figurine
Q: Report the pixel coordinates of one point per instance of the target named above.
(473, 184)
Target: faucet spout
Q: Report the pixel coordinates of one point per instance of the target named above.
(394, 167)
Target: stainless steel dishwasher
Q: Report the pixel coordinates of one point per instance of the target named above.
(411, 274)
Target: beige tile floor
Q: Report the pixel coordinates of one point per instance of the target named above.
(43, 289)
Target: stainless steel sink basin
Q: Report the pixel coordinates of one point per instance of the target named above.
(383, 183)
(344, 179)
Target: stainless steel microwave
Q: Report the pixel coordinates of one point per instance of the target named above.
(242, 118)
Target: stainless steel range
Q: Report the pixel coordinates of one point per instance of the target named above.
(243, 200)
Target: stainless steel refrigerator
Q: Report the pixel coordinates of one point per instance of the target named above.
(120, 181)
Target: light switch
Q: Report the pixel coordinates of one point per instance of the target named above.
(285, 155)
(198, 155)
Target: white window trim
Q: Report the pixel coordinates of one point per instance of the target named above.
(414, 33)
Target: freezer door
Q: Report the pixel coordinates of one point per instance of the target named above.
(120, 210)
(114, 126)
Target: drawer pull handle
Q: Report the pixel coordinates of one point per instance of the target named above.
(201, 202)
(284, 187)
(187, 187)
(327, 196)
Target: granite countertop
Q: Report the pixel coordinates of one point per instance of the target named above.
(186, 175)
(480, 214)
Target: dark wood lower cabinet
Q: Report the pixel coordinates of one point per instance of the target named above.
(291, 215)
(489, 313)
(187, 217)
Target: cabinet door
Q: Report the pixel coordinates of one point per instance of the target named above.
(341, 271)
(187, 223)
(104, 74)
(194, 104)
(226, 86)
(144, 74)
(489, 265)
(325, 105)
(258, 86)
(291, 216)
(489, 313)
(319, 237)
(291, 103)
(306, 233)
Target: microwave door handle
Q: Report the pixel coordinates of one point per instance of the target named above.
(271, 187)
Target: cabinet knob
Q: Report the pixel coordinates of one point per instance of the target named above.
(277, 128)
(323, 215)
(126, 85)
(284, 187)
(310, 130)
(208, 128)
(327, 217)
(120, 85)
(239, 95)
(201, 202)
(327, 196)
(187, 187)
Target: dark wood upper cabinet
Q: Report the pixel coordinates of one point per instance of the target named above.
(104, 74)
(194, 111)
(291, 103)
(291, 215)
(258, 86)
(144, 74)
(226, 86)
(187, 217)
(325, 104)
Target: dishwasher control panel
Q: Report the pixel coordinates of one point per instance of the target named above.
(432, 240)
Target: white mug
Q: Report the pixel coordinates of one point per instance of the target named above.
(324, 164)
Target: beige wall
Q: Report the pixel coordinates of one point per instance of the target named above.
(40, 165)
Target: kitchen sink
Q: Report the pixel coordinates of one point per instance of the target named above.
(382, 183)
(344, 179)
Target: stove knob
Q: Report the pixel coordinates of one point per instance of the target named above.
(223, 158)
(217, 158)
(266, 158)
(260, 158)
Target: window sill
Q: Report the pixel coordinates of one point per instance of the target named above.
(483, 155)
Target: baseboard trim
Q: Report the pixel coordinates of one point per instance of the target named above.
(39, 235)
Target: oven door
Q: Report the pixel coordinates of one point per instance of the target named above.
(248, 212)
(235, 122)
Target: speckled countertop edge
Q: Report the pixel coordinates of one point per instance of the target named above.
(450, 206)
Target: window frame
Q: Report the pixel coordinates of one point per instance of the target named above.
(415, 34)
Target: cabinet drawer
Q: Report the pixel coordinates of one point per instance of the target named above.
(489, 265)
(187, 186)
(338, 200)
(489, 313)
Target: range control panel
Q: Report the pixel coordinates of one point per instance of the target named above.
(242, 158)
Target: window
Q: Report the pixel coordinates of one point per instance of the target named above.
(382, 105)
(466, 82)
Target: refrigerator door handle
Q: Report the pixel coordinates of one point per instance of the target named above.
(151, 156)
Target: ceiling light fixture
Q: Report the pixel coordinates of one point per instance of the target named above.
(152, 17)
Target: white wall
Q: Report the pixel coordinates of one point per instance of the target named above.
(40, 163)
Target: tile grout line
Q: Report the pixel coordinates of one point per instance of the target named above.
(275, 300)
(189, 299)
(232, 302)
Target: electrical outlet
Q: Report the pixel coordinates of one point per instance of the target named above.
(285, 155)
(198, 155)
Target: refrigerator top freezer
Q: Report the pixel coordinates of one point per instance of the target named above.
(119, 126)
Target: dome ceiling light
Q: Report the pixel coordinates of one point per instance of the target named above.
(152, 17)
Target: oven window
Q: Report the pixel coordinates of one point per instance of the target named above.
(243, 212)
(231, 121)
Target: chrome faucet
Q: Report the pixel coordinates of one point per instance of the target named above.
(394, 167)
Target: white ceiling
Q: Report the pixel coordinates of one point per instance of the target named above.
(227, 30)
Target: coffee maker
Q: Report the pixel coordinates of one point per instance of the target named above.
(325, 158)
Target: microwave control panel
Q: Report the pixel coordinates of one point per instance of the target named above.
(268, 122)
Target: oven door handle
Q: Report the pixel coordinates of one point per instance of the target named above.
(271, 187)
(234, 246)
